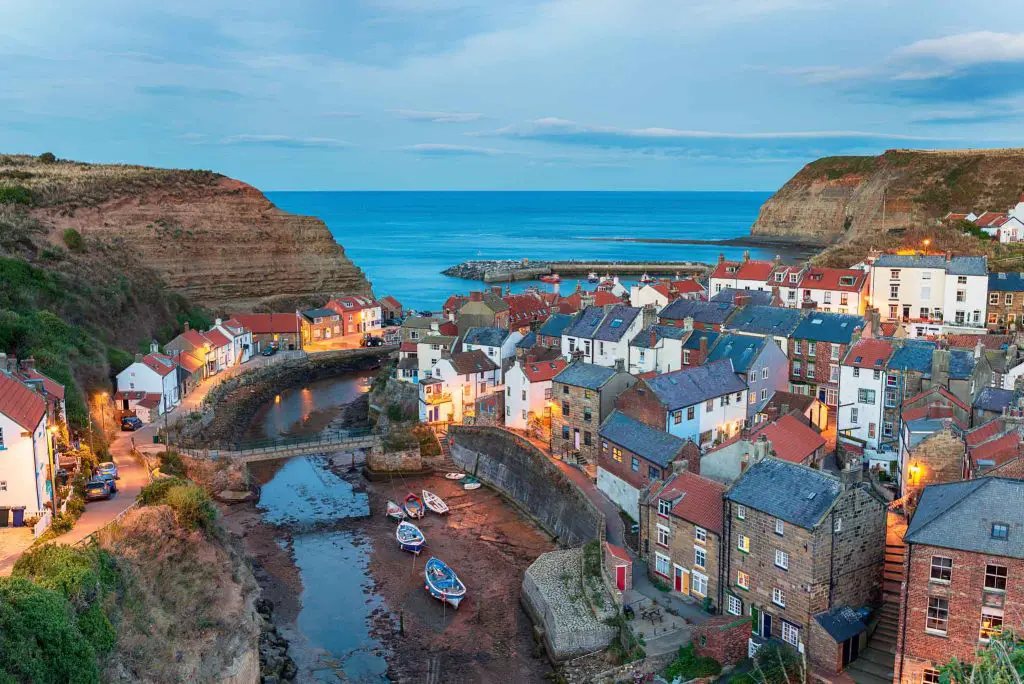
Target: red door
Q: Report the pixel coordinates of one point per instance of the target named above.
(620, 577)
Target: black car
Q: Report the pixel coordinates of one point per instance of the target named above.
(269, 351)
(131, 424)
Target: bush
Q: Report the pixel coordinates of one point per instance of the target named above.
(192, 506)
(15, 194)
(154, 493)
(395, 413)
(48, 158)
(171, 463)
(74, 240)
(689, 665)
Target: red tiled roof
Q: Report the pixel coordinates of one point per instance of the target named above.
(195, 338)
(150, 401)
(455, 302)
(162, 365)
(190, 362)
(984, 432)
(888, 329)
(941, 391)
(702, 499)
(988, 219)
(955, 217)
(51, 386)
(130, 395)
(347, 304)
(989, 342)
(791, 439)
(726, 269)
(661, 288)
(408, 346)
(525, 308)
(217, 338)
(873, 354)
(24, 406)
(617, 552)
(542, 371)
(755, 270)
(448, 328)
(648, 375)
(830, 279)
(269, 323)
(1000, 450)
(930, 411)
(687, 286)
(391, 302)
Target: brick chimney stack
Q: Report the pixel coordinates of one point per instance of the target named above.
(721, 258)
(703, 348)
(741, 300)
(746, 255)
(476, 296)
(653, 340)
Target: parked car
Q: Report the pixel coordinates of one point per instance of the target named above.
(109, 468)
(97, 490)
(269, 351)
(109, 479)
(372, 341)
(131, 424)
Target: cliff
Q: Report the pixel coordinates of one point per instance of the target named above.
(840, 199)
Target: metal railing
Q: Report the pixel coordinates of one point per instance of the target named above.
(279, 444)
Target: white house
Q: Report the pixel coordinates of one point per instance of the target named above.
(153, 373)
(931, 289)
(239, 349)
(862, 392)
(457, 381)
(650, 294)
(497, 344)
(657, 349)
(601, 335)
(24, 447)
(741, 275)
(430, 350)
(528, 391)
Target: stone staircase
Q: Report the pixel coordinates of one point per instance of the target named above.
(445, 463)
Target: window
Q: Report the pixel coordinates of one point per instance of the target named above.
(833, 373)
(586, 438)
(961, 295)
(894, 292)
(778, 598)
(856, 372)
(734, 605)
(854, 415)
(781, 559)
(865, 396)
(887, 429)
(565, 389)
(565, 432)
(617, 454)
(664, 507)
(926, 293)
(1, 438)
(753, 396)
(894, 274)
(742, 580)
(700, 557)
(995, 577)
(1000, 531)
(508, 392)
(1008, 300)
(587, 414)
(929, 676)
(690, 412)
(844, 299)
(991, 623)
(661, 564)
(938, 615)
(524, 395)
(837, 526)
(565, 408)
(764, 373)
(653, 472)
(796, 347)
(701, 535)
(961, 280)
(828, 297)
(942, 569)
(993, 298)
(890, 398)
(780, 527)
(790, 634)
(891, 380)
(764, 395)
(810, 370)
(677, 417)
(741, 512)
(524, 414)
(710, 405)
(700, 584)
(871, 430)
(835, 352)
(812, 348)
(634, 464)
(743, 543)
(752, 376)
(686, 357)
(663, 535)
(796, 367)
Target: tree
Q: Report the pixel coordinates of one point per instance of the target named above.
(48, 158)
(1001, 661)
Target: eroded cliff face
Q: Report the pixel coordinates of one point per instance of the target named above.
(836, 199)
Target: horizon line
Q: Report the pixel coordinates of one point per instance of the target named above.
(650, 191)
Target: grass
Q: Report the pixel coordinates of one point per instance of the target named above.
(689, 665)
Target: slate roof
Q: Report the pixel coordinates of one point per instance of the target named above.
(488, 337)
(707, 313)
(420, 322)
(795, 493)
(642, 340)
(828, 327)
(958, 265)
(693, 341)
(1006, 282)
(993, 399)
(474, 361)
(961, 364)
(959, 515)
(792, 400)
(657, 446)
(841, 623)
(615, 324)
(729, 294)
(24, 406)
(585, 375)
(528, 342)
(766, 320)
(690, 386)
(438, 339)
(311, 314)
(585, 323)
(915, 355)
(742, 350)
(555, 325)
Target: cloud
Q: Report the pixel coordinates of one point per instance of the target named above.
(966, 49)
(444, 150)
(816, 75)
(188, 92)
(281, 141)
(437, 117)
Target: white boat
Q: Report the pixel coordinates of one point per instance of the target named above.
(394, 511)
(454, 476)
(593, 277)
(434, 502)
(471, 483)
(409, 537)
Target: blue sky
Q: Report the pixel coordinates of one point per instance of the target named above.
(488, 94)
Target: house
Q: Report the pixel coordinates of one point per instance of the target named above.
(143, 405)
(528, 395)
(390, 310)
(704, 404)
(681, 535)
(451, 306)
(25, 448)
(153, 373)
(1007, 229)
(320, 325)
(660, 293)
(196, 344)
(931, 290)
(450, 393)
(965, 564)
(731, 295)
(633, 455)
(282, 330)
(497, 343)
(581, 299)
(51, 390)
(657, 349)
(862, 394)
(818, 345)
(483, 310)
(785, 403)
(952, 217)
(990, 403)
(766, 321)
(787, 438)
(432, 348)
(1005, 301)
(932, 451)
(992, 445)
(527, 311)
(759, 362)
(550, 332)
(408, 367)
(239, 349)
(842, 290)
(741, 275)
(359, 314)
(583, 395)
(601, 335)
(801, 543)
(701, 315)
(907, 375)
(415, 327)
(696, 345)
(787, 280)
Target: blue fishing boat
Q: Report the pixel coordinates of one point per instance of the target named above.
(443, 584)
(409, 537)
(414, 506)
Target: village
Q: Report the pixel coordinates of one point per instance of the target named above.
(824, 459)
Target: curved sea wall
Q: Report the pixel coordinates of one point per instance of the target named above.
(522, 473)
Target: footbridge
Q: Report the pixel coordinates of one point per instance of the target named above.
(269, 450)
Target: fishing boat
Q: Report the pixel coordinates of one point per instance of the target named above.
(434, 502)
(443, 584)
(409, 537)
(646, 279)
(471, 483)
(553, 278)
(454, 476)
(592, 277)
(395, 512)
(606, 283)
(414, 506)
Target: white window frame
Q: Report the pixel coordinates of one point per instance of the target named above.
(741, 512)
(663, 533)
(734, 605)
(781, 559)
(742, 580)
(660, 558)
(743, 543)
(664, 507)
(698, 581)
(700, 557)
(778, 597)
(790, 634)
(700, 534)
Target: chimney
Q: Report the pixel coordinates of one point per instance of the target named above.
(778, 259)
(773, 412)
(476, 296)
(653, 339)
(761, 448)
(218, 322)
(721, 258)
(741, 299)
(688, 323)
(3, 362)
(940, 367)
(746, 255)
(29, 363)
(650, 316)
(703, 348)
(620, 365)
(979, 349)
(851, 475)
(949, 256)
(188, 326)
(138, 358)
(154, 347)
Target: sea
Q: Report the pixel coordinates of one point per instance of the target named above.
(403, 240)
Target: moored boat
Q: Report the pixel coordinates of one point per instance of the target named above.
(434, 502)
(409, 537)
(471, 483)
(454, 476)
(414, 506)
(592, 277)
(442, 583)
(395, 512)
(553, 278)
(646, 279)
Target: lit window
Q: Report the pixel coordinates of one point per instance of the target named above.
(995, 577)
(617, 454)
(701, 535)
(743, 543)
(778, 598)
(781, 559)
(664, 506)
(742, 580)
(938, 615)
(991, 623)
(700, 557)
(790, 634)
(735, 606)
(942, 569)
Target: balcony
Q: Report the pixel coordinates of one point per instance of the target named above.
(437, 398)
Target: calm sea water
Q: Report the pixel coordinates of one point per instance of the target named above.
(403, 240)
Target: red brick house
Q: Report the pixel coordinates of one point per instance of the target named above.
(358, 314)
(964, 567)
(816, 351)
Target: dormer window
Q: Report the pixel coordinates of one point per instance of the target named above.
(792, 277)
(846, 280)
(1000, 531)
(664, 507)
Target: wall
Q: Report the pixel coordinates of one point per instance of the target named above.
(857, 549)
(408, 460)
(521, 472)
(622, 493)
(723, 638)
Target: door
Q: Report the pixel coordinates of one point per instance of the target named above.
(755, 614)
(682, 580)
(576, 438)
(620, 577)
(766, 625)
(851, 649)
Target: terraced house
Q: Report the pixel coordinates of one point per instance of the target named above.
(1005, 301)
(601, 335)
(582, 396)
(816, 351)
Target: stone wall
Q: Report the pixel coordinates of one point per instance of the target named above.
(405, 461)
(723, 638)
(517, 469)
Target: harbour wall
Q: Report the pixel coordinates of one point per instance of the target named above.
(520, 471)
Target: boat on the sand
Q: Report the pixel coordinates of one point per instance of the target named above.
(442, 583)
(434, 502)
(395, 512)
(471, 483)
(414, 506)
(409, 537)
(454, 476)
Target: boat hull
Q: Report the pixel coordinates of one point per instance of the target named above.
(451, 600)
(413, 538)
(442, 583)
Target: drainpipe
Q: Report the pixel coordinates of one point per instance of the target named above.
(727, 544)
(723, 569)
(831, 558)
(902, 645)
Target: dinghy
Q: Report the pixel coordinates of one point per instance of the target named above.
(454, 476)
(471, 483)
(434, 502)
(409, 537)
(414, 507)
(443, 584)
(395, 512)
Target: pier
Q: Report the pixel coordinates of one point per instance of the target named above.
(512, 271)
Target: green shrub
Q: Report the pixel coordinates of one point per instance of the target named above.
(660, 585)
(192, 506)
(592, 559)
(171, 463)
(154, 493)
(689, 665)
(15, 194)
(74, 240)
(80, 575)
(48, 158)
(395, 413)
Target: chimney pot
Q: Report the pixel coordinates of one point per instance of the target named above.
(218, 322)
(721, 257)
(703, 348)
(746, 255)
(138, 358)
(949, 256)
(188, 326)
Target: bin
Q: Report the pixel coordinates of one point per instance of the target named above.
(4, 517)
(18, 516)
(156, 438)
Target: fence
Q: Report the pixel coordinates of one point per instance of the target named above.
(270, 446)
(116, 519)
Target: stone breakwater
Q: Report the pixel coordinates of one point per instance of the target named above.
(497, 271)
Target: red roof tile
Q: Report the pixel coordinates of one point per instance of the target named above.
(873, 354)
(726, 269)
(701, 501)
(989, 342)
(195, 338)
(190, 362)
(755, 270)
(687, 286)
(888, 329)
(526, 308)
(455, 302)
(217, 339)
(542, 371)
(448, 328)
(269, 323)
(988, 219)
(984, 432)
(150, 401)
(24, 406)
(833, 278)
(930, 411)
(408, 346)
(1000, 449)
(617, 552)
(942, 392)
(51, 386)
(791, 439)
(390, 302)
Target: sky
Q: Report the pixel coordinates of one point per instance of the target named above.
(492, 94)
